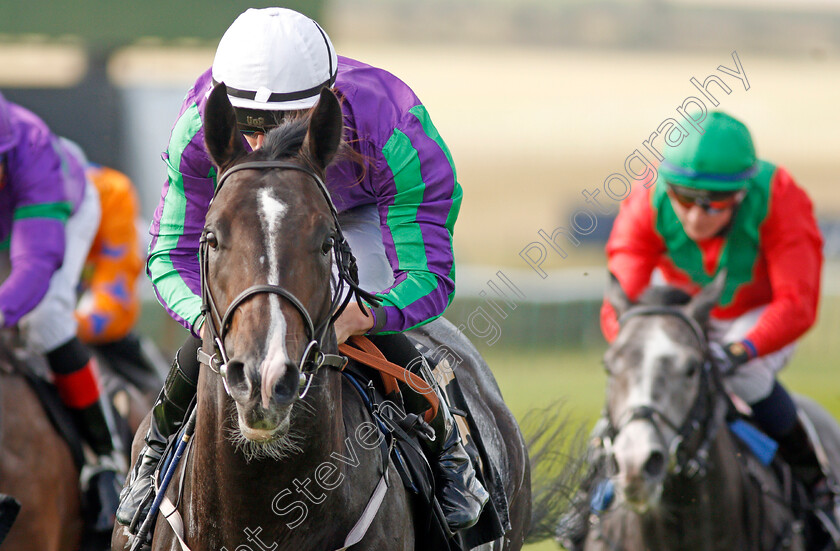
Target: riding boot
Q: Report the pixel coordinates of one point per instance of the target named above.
(461, 495)
(459, 492)
(797, 449)
(168, 414)
(101, 482)
(76, 380)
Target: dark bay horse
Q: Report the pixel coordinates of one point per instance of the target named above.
(284, 454)
(681, 480)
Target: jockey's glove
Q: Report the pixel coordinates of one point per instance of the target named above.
(728, 357)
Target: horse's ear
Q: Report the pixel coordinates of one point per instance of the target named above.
(616, 296)
(325, 128)
(221, 136)
(702, 303)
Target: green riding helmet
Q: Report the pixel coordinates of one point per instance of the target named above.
(721, 159)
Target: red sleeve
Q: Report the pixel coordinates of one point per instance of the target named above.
(792, 246)
(633, 251)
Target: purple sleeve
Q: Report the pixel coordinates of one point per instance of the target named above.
(41, 184)
(37, 251)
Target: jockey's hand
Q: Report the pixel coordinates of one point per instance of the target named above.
(352, 322)
(728, 357)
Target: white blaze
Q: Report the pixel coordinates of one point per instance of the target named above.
(638, 439)
(271, 212)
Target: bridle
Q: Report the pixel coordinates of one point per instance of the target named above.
(313, 357)
(695, 428)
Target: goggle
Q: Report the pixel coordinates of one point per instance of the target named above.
(714, 203)
(249, 130)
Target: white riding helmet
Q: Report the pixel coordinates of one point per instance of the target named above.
(274, 59)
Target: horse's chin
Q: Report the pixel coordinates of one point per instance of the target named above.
(267, 437)
(261, 435)
(642, 498)
(262, 426)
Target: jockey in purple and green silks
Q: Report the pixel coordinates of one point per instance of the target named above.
(398, 213)
(410, 180)
(49, 213)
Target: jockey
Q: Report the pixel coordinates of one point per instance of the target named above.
(398, 214)
(109, 305)
(48, 216)
(716, 206)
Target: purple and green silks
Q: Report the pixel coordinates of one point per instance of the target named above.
(410, 177)
(43, 184)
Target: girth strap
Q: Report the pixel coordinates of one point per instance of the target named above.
(362, 350)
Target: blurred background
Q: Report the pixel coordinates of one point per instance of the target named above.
(538, 100)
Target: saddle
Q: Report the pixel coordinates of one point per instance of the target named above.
(375, 379)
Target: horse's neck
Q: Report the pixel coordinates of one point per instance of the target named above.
(703, 511)
(223, 484)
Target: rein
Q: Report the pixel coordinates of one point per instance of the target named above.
(313, 357)
(695, 426)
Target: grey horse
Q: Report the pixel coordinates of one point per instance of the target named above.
(681, 480)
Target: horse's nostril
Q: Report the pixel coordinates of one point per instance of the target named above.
(286, 386)
(655, 464)
(236, 375)
(612, 464)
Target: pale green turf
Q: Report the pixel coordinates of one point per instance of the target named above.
(536, 378)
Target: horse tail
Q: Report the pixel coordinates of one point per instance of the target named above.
(557, 453)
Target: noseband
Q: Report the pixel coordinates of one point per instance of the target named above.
(683, 461)
(313, 357)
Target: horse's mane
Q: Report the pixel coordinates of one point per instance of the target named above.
(664, 295)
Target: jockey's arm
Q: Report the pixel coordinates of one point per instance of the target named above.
(792, 245)
(178, 221)
(418, 198)
(633, 251)
(36, 247)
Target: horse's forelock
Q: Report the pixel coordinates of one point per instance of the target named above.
(286, 140)
(664, 295)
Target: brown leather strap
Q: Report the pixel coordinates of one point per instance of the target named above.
(360, 348)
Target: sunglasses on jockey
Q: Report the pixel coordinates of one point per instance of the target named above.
(710, 202)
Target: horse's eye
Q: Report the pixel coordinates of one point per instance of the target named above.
(692, 369)
(328, 245)
(211, 240)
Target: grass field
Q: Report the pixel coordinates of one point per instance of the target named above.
(536, 378)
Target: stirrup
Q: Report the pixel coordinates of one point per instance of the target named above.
(828, 512)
